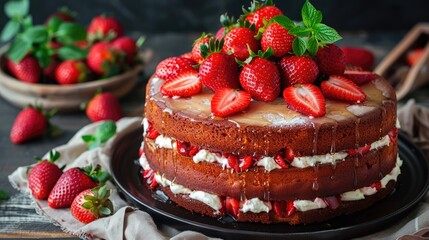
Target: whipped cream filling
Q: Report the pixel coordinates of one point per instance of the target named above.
(256, 205)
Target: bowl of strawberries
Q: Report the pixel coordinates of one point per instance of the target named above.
(61, 63)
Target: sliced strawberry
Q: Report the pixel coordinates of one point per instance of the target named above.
(360, 150)
(280, 161)
(245, 163)
(289, 154)
(306, 99)
(290, 208)
(227, 101)
(359, 76)
(184, 85)
(278, 207)
(183, 148)
(193, 151)
(284, 208)
(376, 185)
(333, 202)
(392, 135)
(232, 206)
(340, 88)
(141, 152)
(147, 173)
(233, 162)
(152, 133)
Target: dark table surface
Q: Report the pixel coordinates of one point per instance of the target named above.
(18, 218)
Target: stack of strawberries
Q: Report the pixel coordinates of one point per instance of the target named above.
(264, 55)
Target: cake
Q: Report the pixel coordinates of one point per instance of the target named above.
(296, 147)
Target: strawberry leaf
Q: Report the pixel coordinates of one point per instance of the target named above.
(18, 49)
(310, 15)
(17, 8)
(284, 21)
(105, 211)
(10, 30)
(299, 46)
(325, 33)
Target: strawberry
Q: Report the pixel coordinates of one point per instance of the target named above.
(71, 72)
(64, 14)
(227, 101)
(278, 38)
(261, 78)
(92, 204)
(280, 161)
(127, 46)
(183, 148)
(245, 162)
(331, 60)
(196, 48)
(172, 67)
(218, 70)
(193, 151)
(220, 33)
(340, 88)
(71, 183)
(414, 56)
(289, 155)
(360, 57)
(376, 185)
(306, 99)
(392, 135)
(284, 208)
(227, 23)
(298, 70)
(49, 71)
(43, 176)
(27, 70)
(104, 106)
(232, 206)
(188, 55)
(233, 162)
(260, 13)
(184, 85)
(238, 41)
(333, 202)
(102, 27)
(149, 175)
(152, 133)
(102, 59)
(359, 76)
(30, 123)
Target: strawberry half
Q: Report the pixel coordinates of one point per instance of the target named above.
(183, 85)
(360, 76)
(232, 206)
(341, 88)
(306, 99)
(227, 101)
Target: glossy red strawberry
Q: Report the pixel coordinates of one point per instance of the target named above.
(361, 57)
(414, 56)
(69, 185)
(49, 71)
(27, 70)
(227, 101)
(43, 176)
(261, 78)
(298, 70)
(359, 76)
(92, 204)
(29, 124)
(184, 85)
(127, 46)
(331, 60)
(71, 72)
(219, 70)
(238, 41)
(102, 59)
(104, 106)
(278, 38)
(265, 12)
(341, 88)
(105, 26)
(172, 67)
(306, 99)
(196, 48)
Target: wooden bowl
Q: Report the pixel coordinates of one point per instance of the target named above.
(65, 98)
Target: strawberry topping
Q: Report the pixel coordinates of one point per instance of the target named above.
(359, 76)
(306, 99)
(341, 88)
(227, 101)
(184, 85)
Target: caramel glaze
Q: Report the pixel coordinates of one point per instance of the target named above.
(266, 128)
(279, 184)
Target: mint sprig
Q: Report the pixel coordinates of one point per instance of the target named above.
(311, 33)
(103, 132)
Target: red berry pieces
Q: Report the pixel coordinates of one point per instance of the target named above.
(184, 85)
(341, 88)
(306, 99)
(227, 101)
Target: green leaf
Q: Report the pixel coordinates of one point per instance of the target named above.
(105, 131)
(310, 15)
(326, 34)
(105, 211)
(18, 49)
(10, 30)
(284, 21)
(37, 34)
(27, 22)
(69, 33)
(17, 8)
(88, 138)
(54, 23)
(300, 31)
(3, 195)
(72, 53)
(299, 46)
(42, 56)
(312, 45)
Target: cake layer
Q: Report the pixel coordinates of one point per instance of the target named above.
(354, 171)
(267, 128)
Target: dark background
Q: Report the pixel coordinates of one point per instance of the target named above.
(160, 16)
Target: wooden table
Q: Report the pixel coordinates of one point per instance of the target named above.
(18, 218)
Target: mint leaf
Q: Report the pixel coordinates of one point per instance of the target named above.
(3, 195)
(37, 34)
(72, 53)
(325, 33)
(310, 15)
(88, 138)
(42, 55)
(284, 21)
(27, 22)
(299, 46)
(300, 31)
(312, 45)
(18, 49)
(17, 8)
(69, 33)
(54, 23)
(10, 30)
(105, 131)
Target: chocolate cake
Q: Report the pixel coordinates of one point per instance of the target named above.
(326, 148)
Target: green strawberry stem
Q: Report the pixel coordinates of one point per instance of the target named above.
(214, 46)
(98, 203)
(96, 174)
(267, 54)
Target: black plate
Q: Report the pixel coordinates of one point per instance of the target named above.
(411, 188)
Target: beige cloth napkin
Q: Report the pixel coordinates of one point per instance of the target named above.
(131, 223)
(127, 222)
